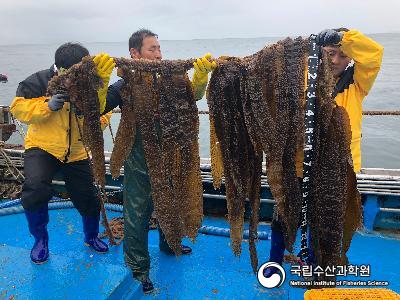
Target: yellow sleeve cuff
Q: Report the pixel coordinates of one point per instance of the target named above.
(199, 84)
(102, 94)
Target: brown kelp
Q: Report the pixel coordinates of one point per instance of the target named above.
(10, 186)
(180, 129)
(158, 66)
(162, 192)
(116, 226)
(335, 209)
(81, 83)
(294, 60)
(254, 199)
(217, 169)
(226, 113)
(271, 101)
(256, 106)
(159, 102)
(125, 137)
(273, 93)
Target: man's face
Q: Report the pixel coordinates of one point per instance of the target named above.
(338, 58)
(150, 49)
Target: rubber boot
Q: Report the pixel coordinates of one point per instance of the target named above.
(185, 250)
(91, 231)
(164, 247)
(37, 223)
(147, 286)
(276, 252)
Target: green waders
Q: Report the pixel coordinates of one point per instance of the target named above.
(138, 207)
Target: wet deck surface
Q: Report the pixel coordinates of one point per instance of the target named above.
(211, 272)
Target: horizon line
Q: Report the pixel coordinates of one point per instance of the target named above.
(183, 40)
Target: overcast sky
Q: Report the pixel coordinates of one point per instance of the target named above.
(56, 21)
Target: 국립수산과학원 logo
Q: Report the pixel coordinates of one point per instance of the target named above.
(276, 279)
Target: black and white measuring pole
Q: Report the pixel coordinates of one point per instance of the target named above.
(311, 98)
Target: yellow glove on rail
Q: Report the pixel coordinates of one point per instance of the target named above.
(202, 66)
(105, 65)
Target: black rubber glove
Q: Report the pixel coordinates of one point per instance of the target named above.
(3, 78)
(329, 37)
(56, 102)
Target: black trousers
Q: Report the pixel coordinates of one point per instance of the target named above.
(40, 168)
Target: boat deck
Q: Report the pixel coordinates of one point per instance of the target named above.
(211, 272)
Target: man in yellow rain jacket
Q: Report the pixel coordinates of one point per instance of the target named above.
(356, 62)
(53, 143)
(138, 203)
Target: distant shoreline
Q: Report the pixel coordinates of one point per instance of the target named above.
(188, 40)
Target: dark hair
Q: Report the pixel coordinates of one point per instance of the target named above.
(69, 54)
(136, 39)
(344, 29)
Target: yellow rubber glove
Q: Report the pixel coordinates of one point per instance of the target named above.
(105, 65)
(202, 66)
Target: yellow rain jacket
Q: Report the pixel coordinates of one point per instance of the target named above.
(54, 132)
(367, 56)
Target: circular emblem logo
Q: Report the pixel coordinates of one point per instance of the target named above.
(275, 278)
